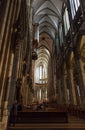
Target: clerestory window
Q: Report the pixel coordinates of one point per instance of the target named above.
(66, 21)
(60, 34)
(74, 5)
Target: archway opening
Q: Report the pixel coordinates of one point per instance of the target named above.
(41, 74)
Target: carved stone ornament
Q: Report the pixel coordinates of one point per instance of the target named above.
(34, 55)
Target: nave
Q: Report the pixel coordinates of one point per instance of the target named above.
(42, 59)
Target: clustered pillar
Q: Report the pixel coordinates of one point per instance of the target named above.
(70, 81)
(15, 50)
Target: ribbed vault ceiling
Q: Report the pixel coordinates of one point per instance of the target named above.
(47, 13)
(43, 56)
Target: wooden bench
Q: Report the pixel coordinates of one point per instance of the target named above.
(76, 110)
(42, 117)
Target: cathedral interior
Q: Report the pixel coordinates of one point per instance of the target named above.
(42, 59)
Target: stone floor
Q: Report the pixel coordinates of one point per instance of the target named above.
(45, 128)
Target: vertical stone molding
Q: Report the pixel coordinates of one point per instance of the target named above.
(14, 74)
(3, 26)
(59, 92)
(73, 87)
(82, 71)
(65, 83)
(69, 86)
(64, 89)
(6, 62)
(80, 77)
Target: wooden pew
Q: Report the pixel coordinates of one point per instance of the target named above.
(76, 110)
(42, 117)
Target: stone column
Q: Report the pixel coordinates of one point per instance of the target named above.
(4, 23)
(23, 90)
(29, 92)
(8, 41)
(30, 40)
(69, 86)
(73, 87)
(14, 73)
(65, 85)
(5, 48)
(64, 89)
(78, 99)
(6, 111)
(50, 82)
(59, 93)
(80, 78)
(82, 71)
(28, 96)
(5, 56)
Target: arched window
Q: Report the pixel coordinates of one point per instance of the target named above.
(41, 71)
(74, 4)
(66, 21)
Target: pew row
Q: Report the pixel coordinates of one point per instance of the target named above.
(42, 117)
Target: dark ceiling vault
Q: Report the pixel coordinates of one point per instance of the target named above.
(47, 13)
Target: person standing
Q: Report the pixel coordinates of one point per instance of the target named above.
(13, 113)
